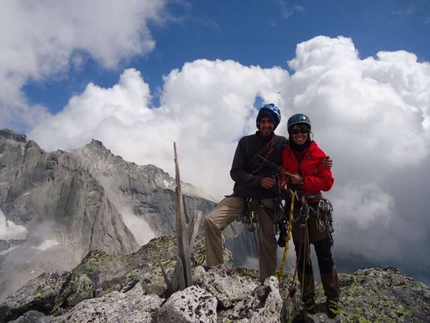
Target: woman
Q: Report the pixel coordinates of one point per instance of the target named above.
(307, 177)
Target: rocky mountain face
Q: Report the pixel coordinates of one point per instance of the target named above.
(72, 202)
(55, 188)
(143, 191)
(148, 193)
(131, 288)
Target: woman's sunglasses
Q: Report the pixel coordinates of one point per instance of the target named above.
(296, 131)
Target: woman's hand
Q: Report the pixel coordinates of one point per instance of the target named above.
(295, 178)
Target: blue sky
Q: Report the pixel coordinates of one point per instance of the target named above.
(263, 33)
(140, 75)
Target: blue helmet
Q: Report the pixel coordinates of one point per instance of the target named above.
(269, 111)
(299, 118)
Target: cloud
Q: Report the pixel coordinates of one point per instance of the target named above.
(357, 107)
(11, 231)
(364, 202)
(287, 11)
(137, 225)
(46, 244)
(204, 109)
(46, 38)
(371, 115)
(369, 100)
(419, 8)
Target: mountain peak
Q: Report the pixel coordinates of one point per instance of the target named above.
(9, 134)
(96, 144)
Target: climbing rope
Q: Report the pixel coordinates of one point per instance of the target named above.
(292, 290)
(305, 255)
(323, 212)
(280, 272)
(304, 212)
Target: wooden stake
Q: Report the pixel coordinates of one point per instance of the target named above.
(181, 226)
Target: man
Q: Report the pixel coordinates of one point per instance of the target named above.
(255, 164)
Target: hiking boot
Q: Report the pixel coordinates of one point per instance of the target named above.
(310, 306)
(332, 309)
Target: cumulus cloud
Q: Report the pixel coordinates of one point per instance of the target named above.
(204, 109)
(371, 115)
(46, 38)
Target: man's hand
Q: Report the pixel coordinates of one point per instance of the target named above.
(327, 162)
(267, 182)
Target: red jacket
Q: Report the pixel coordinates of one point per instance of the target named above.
(317, 178)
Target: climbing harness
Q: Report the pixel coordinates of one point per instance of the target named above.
(276, 213)
(324, 217)
(322, 210)
(249, 216)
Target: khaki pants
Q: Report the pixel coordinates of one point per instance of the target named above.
(227, 211)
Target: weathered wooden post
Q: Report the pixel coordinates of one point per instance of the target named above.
(182, 234)
(186, 236)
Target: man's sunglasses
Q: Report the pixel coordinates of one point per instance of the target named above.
(296, 131)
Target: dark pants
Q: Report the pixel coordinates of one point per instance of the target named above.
(323, 252)
(326, 266)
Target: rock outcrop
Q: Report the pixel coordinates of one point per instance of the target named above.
(131, 288)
